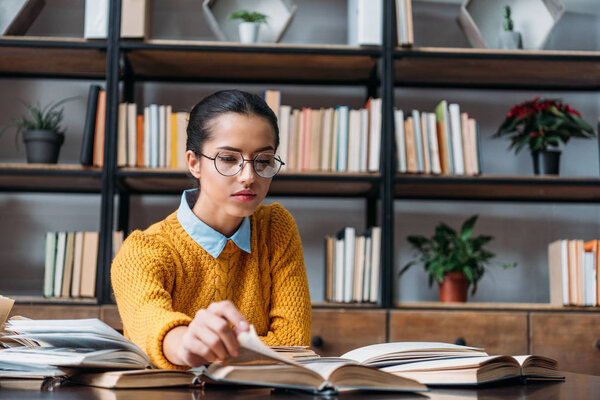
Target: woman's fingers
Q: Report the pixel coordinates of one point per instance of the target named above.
(227, 310)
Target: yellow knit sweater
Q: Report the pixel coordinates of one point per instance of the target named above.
(161, 278)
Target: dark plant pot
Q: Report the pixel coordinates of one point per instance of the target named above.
(42, 146)
(550, 162)
(454, 287)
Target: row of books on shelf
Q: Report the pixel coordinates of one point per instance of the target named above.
(441, 142)
(573, 271)
(352, 266)
(70, 263)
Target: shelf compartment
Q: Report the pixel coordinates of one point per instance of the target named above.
(501, 69)
(537, 307)
(235, 62)
(498, 188)
(170, 181)
(57, 178)
(50, 57)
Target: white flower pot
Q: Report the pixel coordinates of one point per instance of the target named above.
(248, 32)
(509, 40)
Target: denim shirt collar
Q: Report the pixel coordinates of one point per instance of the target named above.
(209, 239)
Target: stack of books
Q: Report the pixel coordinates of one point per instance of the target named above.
(573, 271)
(444, 142)
(70, 263)
(352, 266)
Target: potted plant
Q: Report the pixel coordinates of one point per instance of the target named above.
(509, 38)
(248, 28)
(542, 124)
(41, 131)
(453, 260)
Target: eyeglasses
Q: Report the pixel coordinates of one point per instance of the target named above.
(229, 163)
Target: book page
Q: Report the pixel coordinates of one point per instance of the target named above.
(5, 307)
(253, 350)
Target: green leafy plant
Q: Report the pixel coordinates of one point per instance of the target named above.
(540, 123)
(247, 16)
(37, 117)
(449, 251)
(508, 22)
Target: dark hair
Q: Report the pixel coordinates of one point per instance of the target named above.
(225, 101)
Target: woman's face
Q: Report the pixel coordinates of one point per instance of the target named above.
(225, 200)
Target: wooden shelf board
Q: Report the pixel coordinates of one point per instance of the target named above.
(497, 68)
(164, 180)
(188, 60)
(50, 178)
(41, 300)
(38, 56)
(495, 187)
(491, 307)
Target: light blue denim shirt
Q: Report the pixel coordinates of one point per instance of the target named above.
(210, 240)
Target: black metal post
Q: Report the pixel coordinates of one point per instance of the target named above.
(103, 288)
(387, 166)
(123, 217)
(371, 205)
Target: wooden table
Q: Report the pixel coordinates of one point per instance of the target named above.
(576, 386)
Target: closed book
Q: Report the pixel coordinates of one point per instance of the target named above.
(167, 151)
(342, 141)
(327, 139)
(136, 19)
(466, 144)
(366, 292)
(95, 25)
(302, 140)
(61, 244)
(182, 121)
(557, 265)
(374, 134)
(273, 100)
(444, 141)
(364, 22)
(399, 135)
(589, 279)
(173, 146)
(338, 273)
(89, 129)
(401, 23)
(140, 141)
(315, 139)
(147, 138)
(349, 249)
(475, 146)
(132, 133)
(284, 133)
(68, 270)
(425, 142)
(295, 139)
(418, 135)
(572, 263)
(410, 37)
(456, 135)
(154, 136)
(354, 126)
(411, 149)
(162, 136)
(359, 268)
(77, 265)
(16, 16)
(364, 141)
(594, 247)
(333, 159)
(580, 274)
(434, 150)
(49, 264)
(89, 263)
(375, 262)
(98, 159)
(122, 136)
(329, 267)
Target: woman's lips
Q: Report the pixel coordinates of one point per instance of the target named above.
(245, 195)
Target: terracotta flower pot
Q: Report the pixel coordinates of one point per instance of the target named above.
(454, 287)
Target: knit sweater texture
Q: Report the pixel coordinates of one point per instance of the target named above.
(161, 277)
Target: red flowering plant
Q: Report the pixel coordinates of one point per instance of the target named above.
(540, 123)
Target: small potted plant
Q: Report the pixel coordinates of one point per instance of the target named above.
(248, 28)
(41, 131)
(509, 38)
(453, 260)
(542, 124)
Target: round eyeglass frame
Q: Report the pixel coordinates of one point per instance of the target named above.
(214, 160)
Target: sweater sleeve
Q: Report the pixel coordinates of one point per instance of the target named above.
(290, 312)
(142, 276)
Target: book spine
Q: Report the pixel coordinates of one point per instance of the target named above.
(87, 144)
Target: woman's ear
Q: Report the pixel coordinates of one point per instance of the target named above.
(193, 163)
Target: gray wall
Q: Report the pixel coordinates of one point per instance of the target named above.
(521, 231)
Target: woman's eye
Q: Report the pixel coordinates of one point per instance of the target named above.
(228, 159)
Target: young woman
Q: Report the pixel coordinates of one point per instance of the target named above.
(186, 285)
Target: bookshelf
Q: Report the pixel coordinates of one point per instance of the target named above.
(379, 70)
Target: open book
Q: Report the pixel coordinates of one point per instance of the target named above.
(81, 343)
(259, 365)
(478, 370)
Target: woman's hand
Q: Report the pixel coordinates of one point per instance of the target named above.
(208, 338)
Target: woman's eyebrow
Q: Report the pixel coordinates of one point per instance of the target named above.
(240, 150)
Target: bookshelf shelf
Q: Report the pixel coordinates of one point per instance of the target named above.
(57, 178)
(54, 301)
(497, 188)
(170, 181)
(52, 57)
(439, 306)
(234, 62)
(497, 69)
